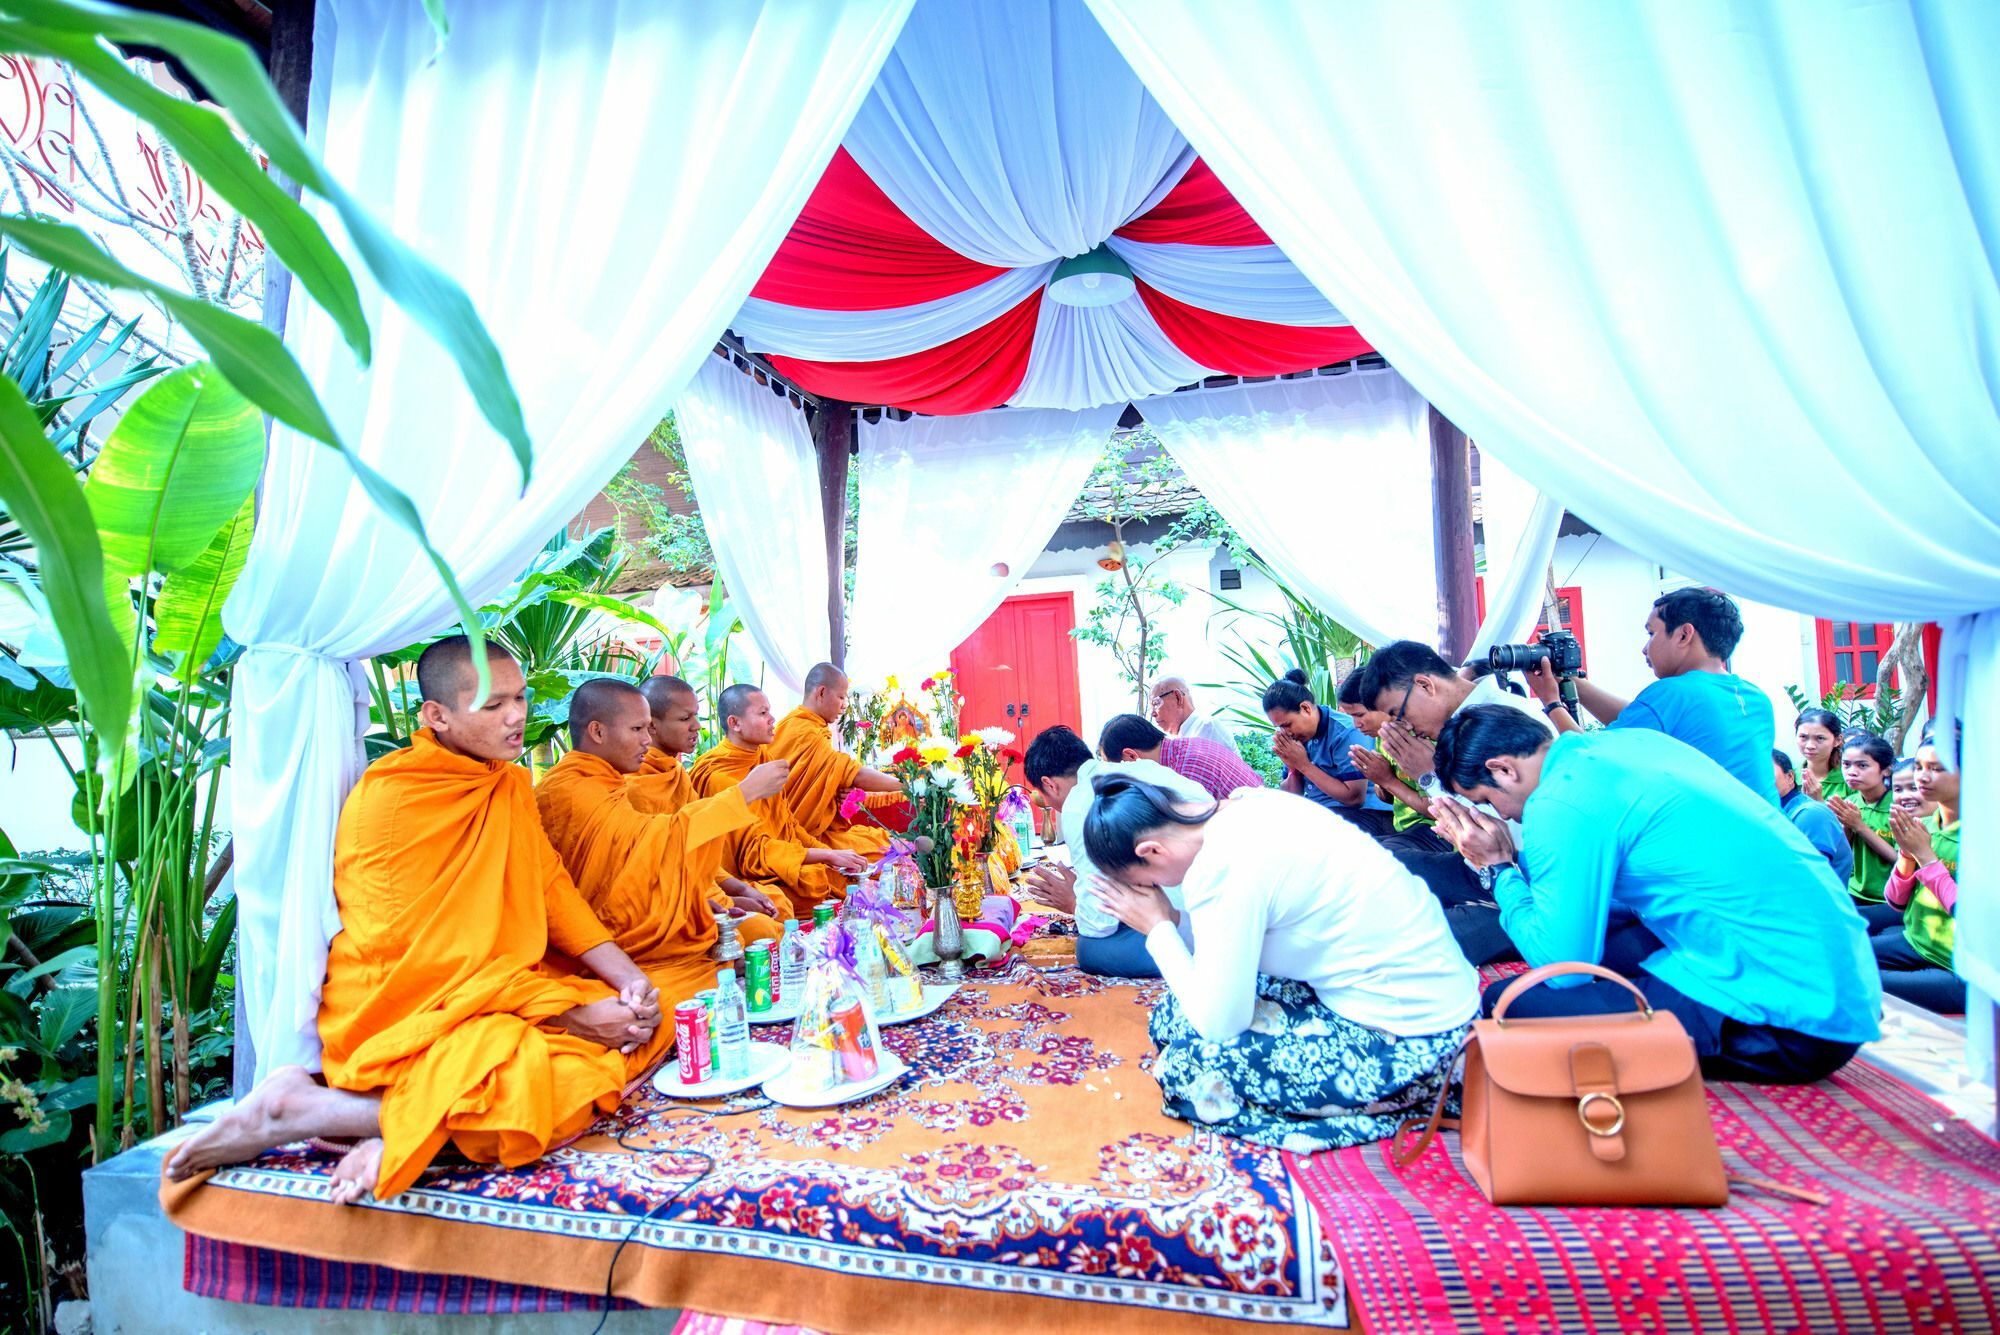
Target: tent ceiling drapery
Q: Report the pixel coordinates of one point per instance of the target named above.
(998, 141)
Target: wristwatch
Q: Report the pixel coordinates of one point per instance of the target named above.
(1428, 782)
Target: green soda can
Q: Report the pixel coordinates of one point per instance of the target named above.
(757, 976)
(822, 914)
(708, 1000)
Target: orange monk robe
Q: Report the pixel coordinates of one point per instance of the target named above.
(662, 787)
(773, 866)
(449, 896)
(786, 841)
(822, 774)
(648, 878)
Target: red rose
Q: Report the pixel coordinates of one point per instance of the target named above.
(964, 751)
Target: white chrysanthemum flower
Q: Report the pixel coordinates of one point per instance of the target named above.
(962, 791)
(995, 738)
(919, 787)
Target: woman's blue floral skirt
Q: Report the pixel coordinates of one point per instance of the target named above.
(1301, 1077)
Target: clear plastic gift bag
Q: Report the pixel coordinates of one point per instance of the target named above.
(836, 1041)
(883, 935)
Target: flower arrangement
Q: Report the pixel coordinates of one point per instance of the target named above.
(955, 782)
(863, 720)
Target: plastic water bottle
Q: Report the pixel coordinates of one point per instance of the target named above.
(874, 970)
(791, 963)
(1024, 828)
(732, 1027)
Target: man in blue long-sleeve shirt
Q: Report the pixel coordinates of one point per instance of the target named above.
(1727, 916)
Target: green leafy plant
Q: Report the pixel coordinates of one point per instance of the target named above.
(1132, 483)
(1307, 638)
(1880, 715)
(1255, 748)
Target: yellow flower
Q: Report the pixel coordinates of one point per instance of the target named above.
(891, 684)
(934, 752)
(967, 739)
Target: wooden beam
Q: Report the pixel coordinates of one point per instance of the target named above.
(290, 64)
(1451, 534)
(833, 437)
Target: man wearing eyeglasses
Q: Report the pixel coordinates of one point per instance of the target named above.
(1420, 691)
(1173, 710)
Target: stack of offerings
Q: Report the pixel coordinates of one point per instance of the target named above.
(835, 1041)
(882, 936)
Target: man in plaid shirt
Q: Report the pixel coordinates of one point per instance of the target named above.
(1217, 768)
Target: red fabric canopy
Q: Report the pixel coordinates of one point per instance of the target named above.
(854, 250)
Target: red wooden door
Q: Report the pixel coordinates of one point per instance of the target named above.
(1018, 670)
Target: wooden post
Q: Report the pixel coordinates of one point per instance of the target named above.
(290, 67)
(833, 436)
(1451, 535)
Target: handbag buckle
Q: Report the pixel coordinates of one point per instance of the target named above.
(1583, 1114)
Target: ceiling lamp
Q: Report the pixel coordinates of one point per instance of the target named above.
(1096, 278)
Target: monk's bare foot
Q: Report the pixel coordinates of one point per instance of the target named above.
(275, 1112)
(354, 1177)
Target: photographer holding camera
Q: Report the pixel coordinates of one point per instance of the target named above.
(1689, 638)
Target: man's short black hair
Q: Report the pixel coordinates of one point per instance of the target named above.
(1127, 732)
(1395, 666)
(1471, 737)
(662, 691)
(1783, 761)
(444, 671)
(1055, 753)
(1714, 617)
(823, 674)
(593, 701)
(735, 700)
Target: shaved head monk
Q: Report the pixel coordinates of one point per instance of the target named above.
(649, 878)
(748, 727)
(823, 774)
(753, 873)
(437, 1021)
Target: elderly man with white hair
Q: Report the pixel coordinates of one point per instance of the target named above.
(1173, 710)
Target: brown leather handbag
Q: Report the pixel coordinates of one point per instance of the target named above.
(1582, 1109)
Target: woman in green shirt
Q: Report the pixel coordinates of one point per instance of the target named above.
(1818, 732)
(1865, 763)
(1916, 962)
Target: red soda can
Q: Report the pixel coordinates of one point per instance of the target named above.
(691, 1037)
(851, 1040)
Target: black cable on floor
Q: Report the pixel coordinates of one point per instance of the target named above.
(693, 1114)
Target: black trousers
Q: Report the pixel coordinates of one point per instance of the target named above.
(1469, 910)
(1908, 975)
(1728, 1049)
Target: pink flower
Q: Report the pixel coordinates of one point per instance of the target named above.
(851, 804)
(929, 682)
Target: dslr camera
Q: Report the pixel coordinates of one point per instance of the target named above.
(1565, 655)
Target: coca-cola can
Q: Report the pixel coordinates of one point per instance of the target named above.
(691, 1037)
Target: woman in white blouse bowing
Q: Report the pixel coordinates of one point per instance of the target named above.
(1314, 993)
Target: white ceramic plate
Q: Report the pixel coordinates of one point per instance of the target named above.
(766, 1060)
(935, 995)
(793, 1093)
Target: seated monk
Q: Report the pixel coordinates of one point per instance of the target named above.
(647, 877)
(750, 883)
(437, 1020)
(747, 726)
(822, 774)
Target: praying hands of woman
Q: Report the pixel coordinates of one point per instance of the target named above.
(1913, 837)
(1140, 907)
(1482, 840)
(1373, 765)
(1290, 750)
(1847, 813)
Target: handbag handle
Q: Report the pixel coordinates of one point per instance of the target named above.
(1536, 977)
(1404, 1157)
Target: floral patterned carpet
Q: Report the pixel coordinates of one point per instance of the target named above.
(1021, 1171)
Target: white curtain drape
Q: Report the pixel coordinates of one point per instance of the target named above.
(1521, 526)
(1717, 275)
(1328, 478)
(607, 191)
(756, 477)
(953, 512)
